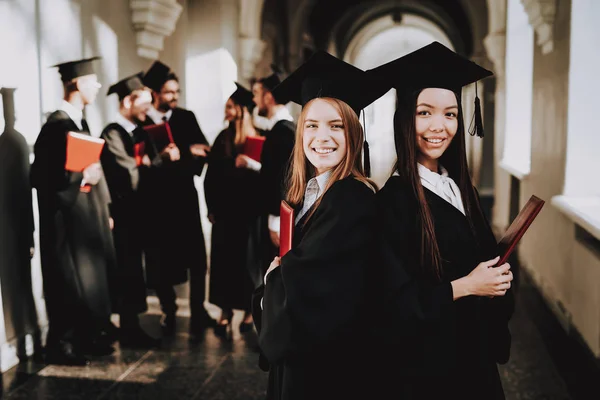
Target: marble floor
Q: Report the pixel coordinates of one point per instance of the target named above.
(216, 369)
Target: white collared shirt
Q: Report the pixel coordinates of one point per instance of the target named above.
(73, 112)
(157, 116)
(266, 124)
(442, 185)
(125, 123)
(314, 190)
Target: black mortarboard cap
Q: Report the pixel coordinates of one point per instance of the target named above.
(271, 81)
(157, 75)
(433, 66)
(126, 86)
(324, 75)
(74, 69)
(243, 96)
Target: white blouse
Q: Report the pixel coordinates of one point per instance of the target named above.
(442, 185)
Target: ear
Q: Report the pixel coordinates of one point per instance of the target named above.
(127, 103)
(267, 97)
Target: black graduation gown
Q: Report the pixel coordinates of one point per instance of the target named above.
(175, 241)
(275, 159)
(313, 326)
(123, 176)
(76, 242)
(16, 236)
(441, 348)
(232, 198)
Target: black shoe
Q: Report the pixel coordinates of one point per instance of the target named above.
(64, 353)
(169, 324)
(223, 331)
(246, 327)
(138, 339)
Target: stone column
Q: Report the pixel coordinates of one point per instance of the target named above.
(251, 45)
(495, 45)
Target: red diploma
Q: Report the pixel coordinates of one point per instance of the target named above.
(253, 147)
(286, 228)
(138, 152)
(82, 151)
(519, 226)
(160, 134)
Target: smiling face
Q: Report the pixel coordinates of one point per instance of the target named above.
(323, 136)
(436, 123)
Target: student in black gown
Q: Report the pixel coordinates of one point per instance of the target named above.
(312, 311)
(446, 306)
(176, 241)
(232, 200)
(76, 242)
(123, 176)
(278, 128)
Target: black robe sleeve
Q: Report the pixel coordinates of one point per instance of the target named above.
(313, 300)
(500, 309)
(120, 168)
(218, 165)
(194, 135)
(275, 159)
(48, 172)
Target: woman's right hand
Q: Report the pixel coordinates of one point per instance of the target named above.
(487, 280)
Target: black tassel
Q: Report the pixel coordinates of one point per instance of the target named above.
(476, 126)
(366, 154)
(367, 159)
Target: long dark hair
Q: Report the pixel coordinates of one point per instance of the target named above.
(454, 160)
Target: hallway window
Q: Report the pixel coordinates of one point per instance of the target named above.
(581, 194)
(519, 87)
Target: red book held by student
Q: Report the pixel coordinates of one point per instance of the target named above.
(82, 151)
(160, 134)
(138, 152)
(253, 147)
(519, 226)
(286, 228)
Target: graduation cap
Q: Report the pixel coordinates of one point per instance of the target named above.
(271, 81)
(324, 75)
(433, 66)
(243, 96)
(126, 86)
(157, 75)
(74, 69)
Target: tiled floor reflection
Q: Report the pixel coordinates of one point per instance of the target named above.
(210, 368)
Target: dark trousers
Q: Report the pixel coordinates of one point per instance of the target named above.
(167, 297)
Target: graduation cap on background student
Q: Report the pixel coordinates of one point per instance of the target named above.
(157, 75)
(271, 81)
(324, 75)
(126, 86)
(434, 66)
(243, 97)
(74, 69)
